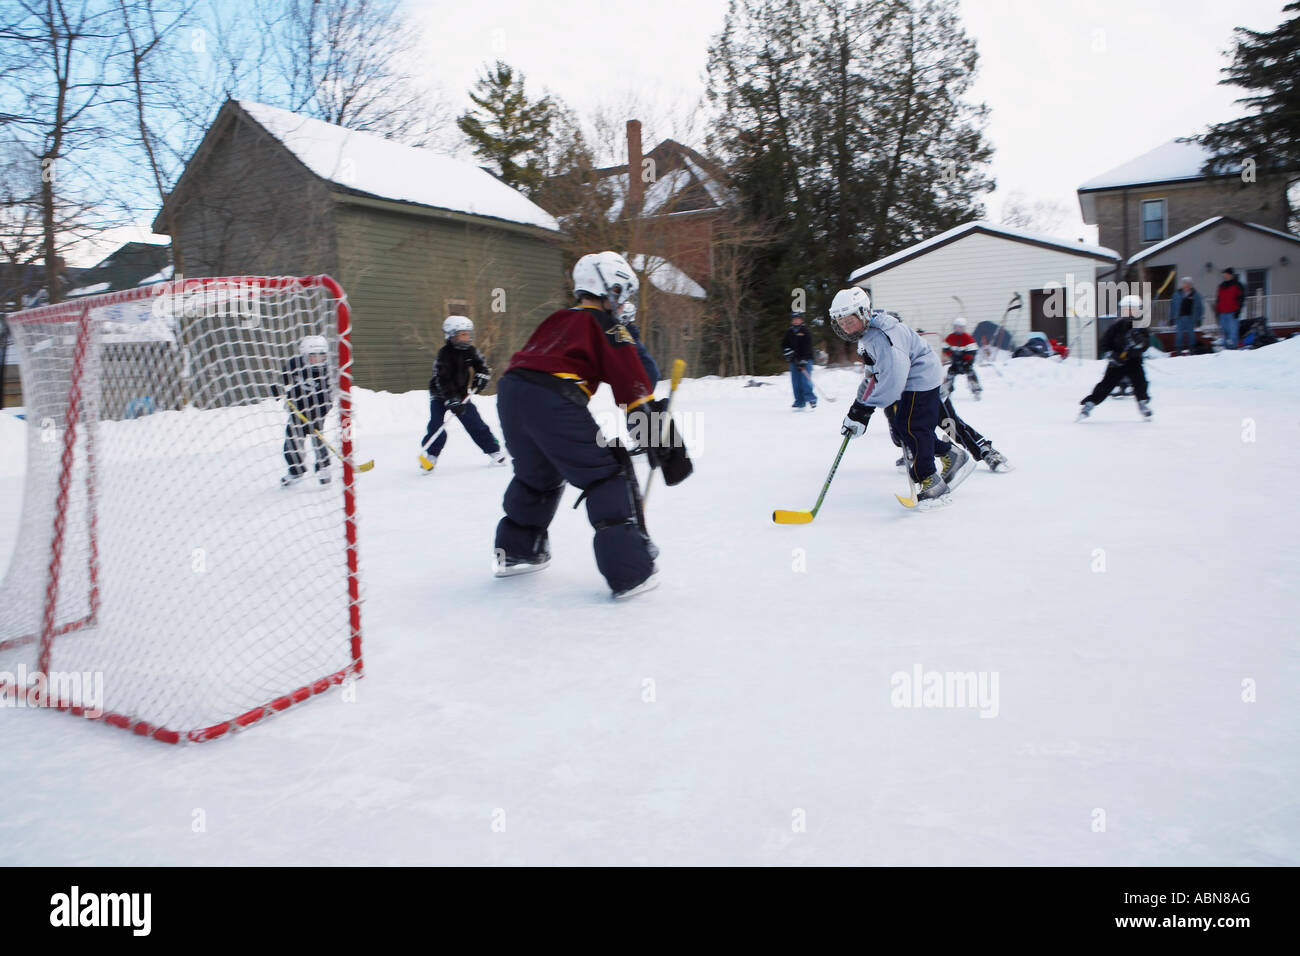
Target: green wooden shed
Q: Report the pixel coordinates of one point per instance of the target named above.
(412, 235)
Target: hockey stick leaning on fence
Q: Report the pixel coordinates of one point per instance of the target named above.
(364, 466)
(804, 517)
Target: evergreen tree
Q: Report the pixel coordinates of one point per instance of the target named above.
(844, 125)
(1268, 65)
(507, 130)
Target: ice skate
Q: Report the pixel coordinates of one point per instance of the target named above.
(427, 463)
(289, 479)
(996, 460)
(957, 465)
(1085, 410)
(934, 493)
(507, 566)
(1145, 408)
(497, 457)
(649, 584)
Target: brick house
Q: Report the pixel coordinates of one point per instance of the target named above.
(1162, 193)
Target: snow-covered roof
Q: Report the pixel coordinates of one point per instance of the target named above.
(988, 229)
(1170, 162)
(666, 277)
(161, 276)
(390, 170)
(1201, 227)
(663, 189)
(662, 196)
(89, 289)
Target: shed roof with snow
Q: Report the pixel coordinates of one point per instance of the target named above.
(981, 227)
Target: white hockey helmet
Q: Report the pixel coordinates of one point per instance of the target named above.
(457, 323)
(313, 345)
(1133, 303)
(628, 313)
(850, 312)
(959, 323)
(605, 275)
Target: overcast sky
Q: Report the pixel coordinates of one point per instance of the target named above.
(1075, 86)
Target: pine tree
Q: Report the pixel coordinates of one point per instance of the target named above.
(507, 130)
(1268, 65)
(844, 125)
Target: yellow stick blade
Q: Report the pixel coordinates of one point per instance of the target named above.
(679, 369)
(906, 502)
(365, 466)
(792, 517)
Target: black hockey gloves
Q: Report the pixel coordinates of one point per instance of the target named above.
(855, 422)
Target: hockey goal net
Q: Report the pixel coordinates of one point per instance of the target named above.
(162, 577)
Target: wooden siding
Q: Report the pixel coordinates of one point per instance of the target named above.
(253, 209)
(400, 269)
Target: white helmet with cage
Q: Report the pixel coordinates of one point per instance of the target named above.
(628, 312)
(959, 323)
(605, 275)
(850, 312)
(313, 345)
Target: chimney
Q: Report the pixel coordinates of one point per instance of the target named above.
(635, 187)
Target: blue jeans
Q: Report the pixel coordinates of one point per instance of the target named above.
(803, 390)
(469, 417)
(1184, 334)
(1230, 324)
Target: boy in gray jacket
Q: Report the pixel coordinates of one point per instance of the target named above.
(902, 376)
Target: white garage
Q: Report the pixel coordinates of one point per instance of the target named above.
(975, 269)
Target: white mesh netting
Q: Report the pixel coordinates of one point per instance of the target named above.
(205, 593)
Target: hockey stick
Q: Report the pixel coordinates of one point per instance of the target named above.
(804, 517)
(425, 463)
(910, 501)
(1015, 304)
(679, 369)
(364, 466)
(816, 391)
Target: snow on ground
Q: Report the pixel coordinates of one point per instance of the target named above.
(533, 721)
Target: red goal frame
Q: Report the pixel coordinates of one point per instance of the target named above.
(79, 311)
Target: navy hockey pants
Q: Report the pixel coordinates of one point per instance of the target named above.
(913, 418)
(469, 417)
(553, 440)
(968, 437)
(296, 434)
(1114, 375)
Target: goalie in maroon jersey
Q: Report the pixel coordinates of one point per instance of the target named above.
(305, 384)
(552, 438)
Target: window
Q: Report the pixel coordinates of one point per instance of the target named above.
(1256, 282)
(455, 307)
(1153, 220)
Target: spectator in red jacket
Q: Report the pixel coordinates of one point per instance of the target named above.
(1228, 303)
